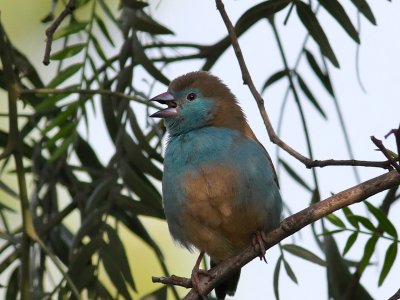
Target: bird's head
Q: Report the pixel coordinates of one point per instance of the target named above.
(199, 99)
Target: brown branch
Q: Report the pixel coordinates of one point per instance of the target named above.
(396, 133)
(293, 224)
(385, 152)
(260, 103)
(69, 8)
(173, 280)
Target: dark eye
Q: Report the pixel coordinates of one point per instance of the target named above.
(191, 96)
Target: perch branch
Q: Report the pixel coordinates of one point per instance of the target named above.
(385, 152)
(309, 163)
(289, 226)
(69, 8)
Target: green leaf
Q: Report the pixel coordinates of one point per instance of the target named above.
(276, 277)
(136, 207)
(390, 257)
(304, 254)
(61, 119)
(330, 232)
(348, 213)
(72, 28)
(64, 132)
(103, 29)
(7, 189)
(141, 21)
(368, 251)
(337, 11)
(312, 25)
(364, 8)
(81, 257)
(50, 101)
(323, 77)
(13, 285)
(274, 78)
(68, 52)
(64, 75)
(350, 242)
(310, 95)
(335, 220)
(98, 48)
(100, 193)
(384, 222)
(365, 222)
(289, 271)
(116, 247)
(109, 13)
(294, 175)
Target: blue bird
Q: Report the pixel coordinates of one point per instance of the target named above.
(220, 189)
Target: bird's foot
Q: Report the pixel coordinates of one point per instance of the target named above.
(197, 273)
(259, 240)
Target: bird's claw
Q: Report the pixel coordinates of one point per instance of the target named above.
(259, 240)
(197, 272)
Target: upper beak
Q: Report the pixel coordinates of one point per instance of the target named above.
(168, 99)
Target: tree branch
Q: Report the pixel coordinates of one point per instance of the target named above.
(309, 163)
(69, 8)
(289, 226)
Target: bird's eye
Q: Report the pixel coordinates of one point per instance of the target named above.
(191, 96)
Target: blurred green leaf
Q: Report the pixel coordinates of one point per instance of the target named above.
(276, 277)
(81, 257)
(350, 242)
(384, 222)
(71, 28)
(364, 221)
(134, 4)
(159, 294)
(337, 11)
(274, 78)
(364, 8)
(103, 29)
(303, 253)
(13, 285)
(348, 213)
(368, 251)
(312, 25)
(390, 257)
(294, 175)
(68, 52)
(289, 271)
(306, 90)
(335, 220)
(323, 77)
(100, 193)
(64, 75)
(98, 48)
(117, 248)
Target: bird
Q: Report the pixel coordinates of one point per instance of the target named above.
(220, 189)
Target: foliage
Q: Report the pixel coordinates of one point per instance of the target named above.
(63, 165)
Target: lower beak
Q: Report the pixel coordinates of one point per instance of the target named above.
(168, 99)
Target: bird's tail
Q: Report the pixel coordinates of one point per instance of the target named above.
(228, 286)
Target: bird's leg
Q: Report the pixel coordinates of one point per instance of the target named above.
(197, 271)
(259, 239)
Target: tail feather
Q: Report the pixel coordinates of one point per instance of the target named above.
(228, 286)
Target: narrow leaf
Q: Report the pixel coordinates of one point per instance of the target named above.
(103, 29)
(384, 223)
(335, 220)
(70, 29)
(323, 77)
(348, 213)
(276, 277)
(337, 11)
(368, 251)
(390, 257)
(274, 78)
(68, 52)
(364, 8)
(159, 294)
(365, 222)
(134, 4)
(306, 90)
(350, 242)
(294, 175)
(98, 48)
(312, 25)
(289, 271)
(304, 254)
(64, 75)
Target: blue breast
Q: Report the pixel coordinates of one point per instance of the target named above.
(188, 152)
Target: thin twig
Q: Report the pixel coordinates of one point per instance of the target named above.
(309, 163)
(173, 280)
(291, 225)
(385, 152)
(47, 91)
(69, 8)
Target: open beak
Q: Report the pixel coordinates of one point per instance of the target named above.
(168, 99)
